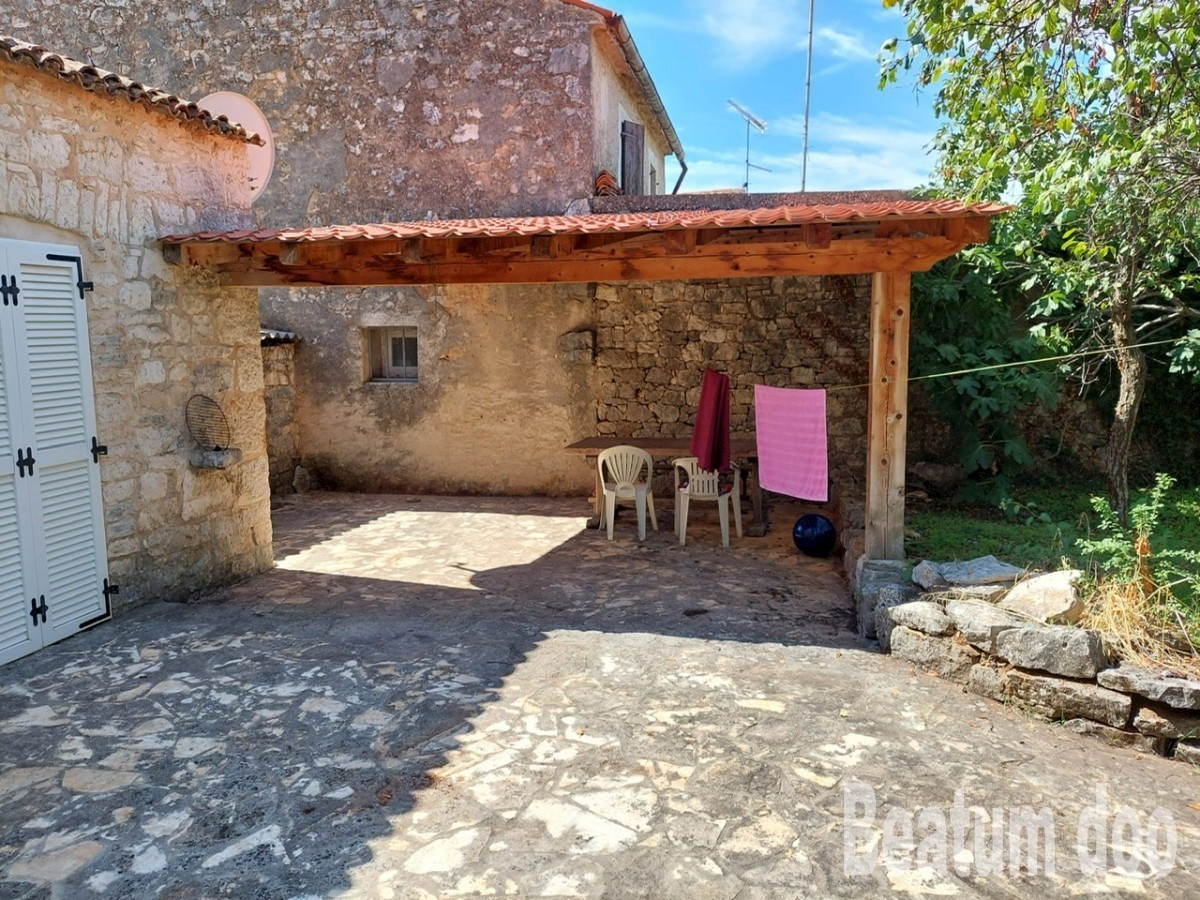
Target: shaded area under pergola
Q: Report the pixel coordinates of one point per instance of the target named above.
(887, 236)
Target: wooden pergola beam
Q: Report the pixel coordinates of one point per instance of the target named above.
(552, 272)
(887, 418)
(554, 262)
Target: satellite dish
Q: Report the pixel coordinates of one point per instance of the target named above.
(242, 110)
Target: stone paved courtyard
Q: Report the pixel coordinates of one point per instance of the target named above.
(477, 697)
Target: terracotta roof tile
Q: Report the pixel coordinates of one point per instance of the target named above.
(605, 222)
(591, 7)
(109, 84)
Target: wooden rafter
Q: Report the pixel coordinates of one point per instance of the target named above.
(669, 254)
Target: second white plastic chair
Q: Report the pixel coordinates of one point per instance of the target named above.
(621, 475)
(701, 484)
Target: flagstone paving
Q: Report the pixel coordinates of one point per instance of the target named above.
(436, 698)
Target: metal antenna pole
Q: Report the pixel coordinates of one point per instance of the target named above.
(746, 183)
(752, 121)
(807, 94)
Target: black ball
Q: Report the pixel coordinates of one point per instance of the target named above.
(814, 535)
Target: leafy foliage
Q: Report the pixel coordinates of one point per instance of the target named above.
(967, 312)
(1126, 553)
(1090, 110)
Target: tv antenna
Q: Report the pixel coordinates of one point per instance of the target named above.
(752, 121)
(812, 4)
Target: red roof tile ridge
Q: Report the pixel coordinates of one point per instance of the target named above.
(109, 84)
(602, 222)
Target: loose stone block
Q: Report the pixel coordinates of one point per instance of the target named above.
(923, 616)
(1188, 752)
(919, 615)
(983, 570)
(986, 682)
(1044, 598)
(1161, 721)
(1058, 649)
(1114, 737)
(1053, 698)
(1179, 693)
(980, 622)
(927, 575)
(890, 597)
(942, 656)
(875, 576)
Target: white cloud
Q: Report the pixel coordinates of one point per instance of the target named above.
(847, 45)
(746, 32)
(845, 154)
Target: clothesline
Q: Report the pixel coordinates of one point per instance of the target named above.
(1008, 365)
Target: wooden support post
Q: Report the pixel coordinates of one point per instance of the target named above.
(887, 426)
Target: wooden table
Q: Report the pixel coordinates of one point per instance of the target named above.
(742, 452)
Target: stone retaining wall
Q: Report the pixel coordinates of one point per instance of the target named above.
(1057, 672)
(1061, 673)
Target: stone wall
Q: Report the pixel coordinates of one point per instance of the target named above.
(283, 430)
(381, 110)
(654, 341)
(109, 177)
(505, 381)
(1061, 673)
(399, 109)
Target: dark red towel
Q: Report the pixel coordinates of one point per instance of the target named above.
(710, 437)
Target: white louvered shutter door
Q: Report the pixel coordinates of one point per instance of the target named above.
(18, 634)
(66, 512)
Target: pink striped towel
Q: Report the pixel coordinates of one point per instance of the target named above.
(793, 451)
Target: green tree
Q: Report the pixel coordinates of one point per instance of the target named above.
(968, 316)
(1090, 110)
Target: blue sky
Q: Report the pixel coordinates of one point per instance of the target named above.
(701, 53)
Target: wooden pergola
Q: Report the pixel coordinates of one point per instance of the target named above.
(886, 239)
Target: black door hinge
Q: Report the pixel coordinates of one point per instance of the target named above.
(25, 461)
(9, 289)
(98, 450)
(80, 284)
(36, 609)
(109, 590)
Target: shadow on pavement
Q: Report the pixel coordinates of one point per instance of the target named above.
(260, 742)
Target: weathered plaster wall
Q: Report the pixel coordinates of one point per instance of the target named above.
(109, 177)
(613, 91)
(654, 341)
(381, 109)
(505, 381)
(283, 430)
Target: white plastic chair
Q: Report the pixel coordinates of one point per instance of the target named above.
(701, 484)
(621, 475)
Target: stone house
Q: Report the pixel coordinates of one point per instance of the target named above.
(410, 110)
(102, 345)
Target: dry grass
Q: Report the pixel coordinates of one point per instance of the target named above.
(1139, 625)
